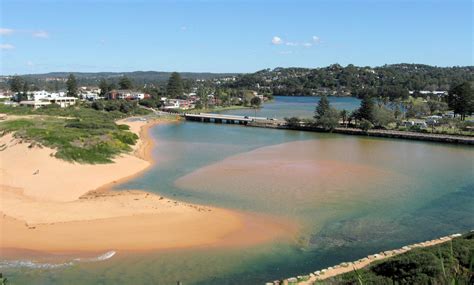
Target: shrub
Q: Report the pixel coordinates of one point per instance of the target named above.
(365, 125)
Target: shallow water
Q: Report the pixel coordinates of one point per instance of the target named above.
(352, 196)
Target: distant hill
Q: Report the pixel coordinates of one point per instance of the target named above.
(140, 77)
(338, 80)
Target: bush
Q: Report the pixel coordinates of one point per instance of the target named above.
(293, 122)
(366, 125)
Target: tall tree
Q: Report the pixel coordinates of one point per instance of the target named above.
(104, 87)
(461, 99)
(366, 110)
(344, 116)
(202, 93)
(326, 116)
(125, 83)
(174, 89)
(71, 85)
(16, 84)
(322, 108)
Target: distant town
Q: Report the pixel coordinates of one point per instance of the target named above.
(402, 96)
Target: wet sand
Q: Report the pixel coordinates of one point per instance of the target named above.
(68, 207)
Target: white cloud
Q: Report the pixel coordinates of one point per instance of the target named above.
(285, 52)
(315, 40)
(6, 46)
(277, 40)
(41, 34)
(5, 31)
(30, 63)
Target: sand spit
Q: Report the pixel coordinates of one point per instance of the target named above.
(52, 206)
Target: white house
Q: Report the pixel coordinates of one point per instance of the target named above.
(64, 102)
(171, 104)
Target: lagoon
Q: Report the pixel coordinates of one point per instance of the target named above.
(295, 106)
(350, 196)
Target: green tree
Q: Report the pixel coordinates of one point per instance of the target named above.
(16, 84)
(255, 102)
(366, 110)
(383, 116)
(322, 108)
(366, 125)
(344, 116)
(174, 89)
(125, 83)
(461, 99)
(326, 116)
(104, 87)
(71, 86)
(202, 94)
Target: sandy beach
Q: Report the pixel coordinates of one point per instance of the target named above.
(69, 207)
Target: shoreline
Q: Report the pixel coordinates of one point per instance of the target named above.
(391, 134)
(127, 220)
(345, 267)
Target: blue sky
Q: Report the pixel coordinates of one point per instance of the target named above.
(39, 36)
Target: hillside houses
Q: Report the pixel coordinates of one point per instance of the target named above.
(126, 94)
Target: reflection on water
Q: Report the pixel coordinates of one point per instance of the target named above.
(354, 196)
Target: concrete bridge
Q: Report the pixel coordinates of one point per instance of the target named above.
(220, 118)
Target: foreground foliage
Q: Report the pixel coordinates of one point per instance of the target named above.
(447, 263)
(78, 134)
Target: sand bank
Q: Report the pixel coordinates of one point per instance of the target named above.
(68, 207)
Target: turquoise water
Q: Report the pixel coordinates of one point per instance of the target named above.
(296, 106)
(368, 195)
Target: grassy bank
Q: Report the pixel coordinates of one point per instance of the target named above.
(448, 263)
(451, 262)
(78, 134)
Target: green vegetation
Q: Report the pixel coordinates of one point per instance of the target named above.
(388, 81)
(174, 89)
(461, 99)
(71, 85)
(125, 83)
(3, 280)
(80, 134)
(326, 116)
(447, 263)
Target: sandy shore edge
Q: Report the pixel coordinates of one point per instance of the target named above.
(81, 214)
